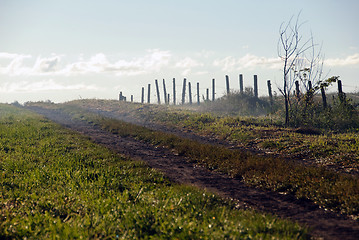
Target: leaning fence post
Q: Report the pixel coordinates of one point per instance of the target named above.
(340, 88)
(158, 92)
(183, 91)
(241, 83)
(340, 91)
(165, 91)
(255, 86)
(227, 84)
(213, 89)
(270, 92)
(149, 94)
(190, 93)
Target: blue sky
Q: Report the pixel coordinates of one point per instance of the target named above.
(64, 50)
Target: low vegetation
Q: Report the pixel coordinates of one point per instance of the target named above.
(331, 190)
(57, 184)
(339, 150)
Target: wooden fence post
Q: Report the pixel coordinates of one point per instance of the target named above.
(198, 99)
(310, 85)
(132, 98)
(149, 94)
(227, 84)
(255, 86)
(120, 97)
(297, 91)
(270, 92)
(190, 93)
(165, 91)
(213, 89)
(158, 92)
(207, 94)
(174, 91)
(183, 91)
(340, 91)
(168, 98)
(340, 88)
(241, 83)
(143, 95)
(324, 98)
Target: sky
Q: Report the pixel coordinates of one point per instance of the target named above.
(62, 50)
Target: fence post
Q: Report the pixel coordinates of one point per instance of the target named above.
(183, 91)
(297, 91)
(165, 91)
(149, 94)
(132, 98)
(190, 93)
(207, 93)
(340, 88)
(120, 96)
(168, 98)
(227, 84)
(324, 98)
(198, 99)
(255, 86)
(158, 92)
(143, 95)
(340, 91)
(241, 83)
(270, 92)
(310, 85)
(213, 89)
(174, 91)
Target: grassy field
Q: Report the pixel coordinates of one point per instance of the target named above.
(331, 190)
(260, 133)
(57, 184)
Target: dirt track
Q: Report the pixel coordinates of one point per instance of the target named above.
(325, 224)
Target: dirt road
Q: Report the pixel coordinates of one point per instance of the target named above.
(325, 224)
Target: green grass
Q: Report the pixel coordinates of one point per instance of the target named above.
(261, 133)
(326, 188)
(56, 184)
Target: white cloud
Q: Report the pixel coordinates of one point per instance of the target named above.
(187, 64)
(5, 55)
(248, 61)
(46, 65)
(153, 61)
(349, 60)
(227, 64)
(44, 85)
(15, 66)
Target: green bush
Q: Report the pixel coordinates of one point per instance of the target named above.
(340, 115)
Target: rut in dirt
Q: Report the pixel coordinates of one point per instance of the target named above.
(325, 224)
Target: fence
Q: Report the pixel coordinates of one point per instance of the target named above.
(167, 95)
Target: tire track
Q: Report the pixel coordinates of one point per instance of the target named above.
(325, 224)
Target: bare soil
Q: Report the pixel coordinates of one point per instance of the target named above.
(324, 224)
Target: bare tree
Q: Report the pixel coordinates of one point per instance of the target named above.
(291, 47)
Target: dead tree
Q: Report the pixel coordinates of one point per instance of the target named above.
(290, 48)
